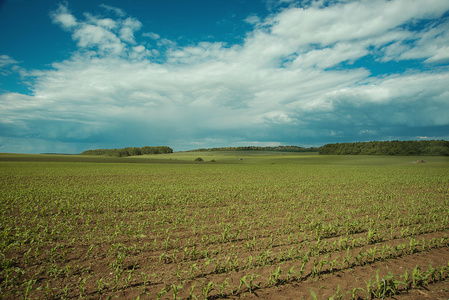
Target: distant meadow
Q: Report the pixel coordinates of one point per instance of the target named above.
(208, 74)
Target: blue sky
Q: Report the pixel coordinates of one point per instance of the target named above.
(78, 75)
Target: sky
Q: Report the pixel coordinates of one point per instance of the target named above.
(188, 74)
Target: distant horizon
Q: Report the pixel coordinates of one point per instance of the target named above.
(209, 148)
(79, 75)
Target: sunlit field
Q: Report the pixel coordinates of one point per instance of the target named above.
(237, 225)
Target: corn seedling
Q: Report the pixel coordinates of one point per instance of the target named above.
(274, 278)
(206, 289)
(162, 292)
(248, 282)
(175, 288)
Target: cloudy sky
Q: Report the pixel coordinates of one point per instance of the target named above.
(88, 74)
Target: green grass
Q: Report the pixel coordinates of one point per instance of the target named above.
(232, 157)
(309, 158)
(236, 157)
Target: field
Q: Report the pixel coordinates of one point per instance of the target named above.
(253, 225)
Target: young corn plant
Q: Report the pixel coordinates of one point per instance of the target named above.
(28, 288)
(354, 292)
(347, 259)
(315, 272)
(406, 282)
(312, 293)
(303, 264)
(206, 264)
(274, 278)
(332, 264)
(176, 288)
(389, 285)
(206, 289)
(101, 285)
(222, 286)
(162, 292)
(82, 285)
(128, 278)
(417, 277)
(338, 295)
(369, 289)
(249, 283)
(117, 277)
(290, 274)
(431, 274)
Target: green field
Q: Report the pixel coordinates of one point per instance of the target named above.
(248, 225)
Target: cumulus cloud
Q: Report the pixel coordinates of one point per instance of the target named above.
(104, 35)
(129, 26)
(291, 81)
(62, 16)
(412, 100)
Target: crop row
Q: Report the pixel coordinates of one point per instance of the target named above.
(71, 230)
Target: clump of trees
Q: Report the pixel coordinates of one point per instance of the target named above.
(257, 148)
(129, 151)
(432, 147)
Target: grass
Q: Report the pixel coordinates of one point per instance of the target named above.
(232, 157)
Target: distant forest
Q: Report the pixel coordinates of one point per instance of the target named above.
(433, 147)
(129, 151)
(255, 148)
(439, 147)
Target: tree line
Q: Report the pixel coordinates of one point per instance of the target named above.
(257, 148)
(129, 151)
(432, 147)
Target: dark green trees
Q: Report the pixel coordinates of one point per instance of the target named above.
(129, 151)
(258, 148)
(439, 147)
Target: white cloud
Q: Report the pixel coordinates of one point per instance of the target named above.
(318, 34)
(6, 60)
(106, 23)
(89, 36)
(63, 17)
(8, 65)
(152, 35)
(284, 83)
(119, 12)
(432, 45)
(350, 21)
(105, 34)
(253, 19)
(330, 56)
(129, 26)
